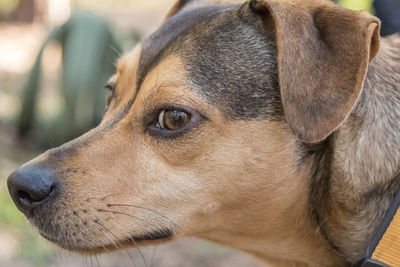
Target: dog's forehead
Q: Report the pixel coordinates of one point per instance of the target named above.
(227, 56)
(178, 26)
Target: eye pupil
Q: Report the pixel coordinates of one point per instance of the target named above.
(174, 119)
(110, 94)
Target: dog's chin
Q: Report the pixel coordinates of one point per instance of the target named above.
(90, 247)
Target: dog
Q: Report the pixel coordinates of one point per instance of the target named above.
(271, 126)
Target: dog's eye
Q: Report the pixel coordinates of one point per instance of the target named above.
(110, 94)
(173, 119)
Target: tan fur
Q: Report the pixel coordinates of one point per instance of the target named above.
(243, 173)
(239, 182)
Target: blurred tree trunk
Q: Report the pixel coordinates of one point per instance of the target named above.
(24, 12)
(28, 11)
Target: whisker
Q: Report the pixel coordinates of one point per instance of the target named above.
(139, 207)
(152, 256)
(132, 258)
(141, 253)
(143, 257)
(111, 195)
(115, 50)
(116, 239)
(121, 213)
(321, 225)
(107, 196)
(97, 260)
(109, 231)
(138, 249)
(131, 238)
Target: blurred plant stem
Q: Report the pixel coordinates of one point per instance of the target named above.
(89, 52)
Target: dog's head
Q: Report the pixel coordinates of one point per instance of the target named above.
(203, 126)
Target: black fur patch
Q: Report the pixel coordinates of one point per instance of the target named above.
(319, 190)
(156, 46)
(229, 57)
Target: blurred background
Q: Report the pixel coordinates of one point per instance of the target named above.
(55, 57)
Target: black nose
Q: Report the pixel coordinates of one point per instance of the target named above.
(30, 186)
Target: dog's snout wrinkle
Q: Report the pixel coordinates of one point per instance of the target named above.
(31, 186)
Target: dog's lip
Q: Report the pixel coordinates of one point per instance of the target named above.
(132, 241)
(153, 236)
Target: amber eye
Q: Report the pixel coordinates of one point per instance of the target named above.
(110, 94)
(173, 119)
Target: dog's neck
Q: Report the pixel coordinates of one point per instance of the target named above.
(365, 159)
(353, 178)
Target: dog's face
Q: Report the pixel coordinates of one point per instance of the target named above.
(202, 131)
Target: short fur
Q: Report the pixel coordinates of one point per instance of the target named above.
(295, 159)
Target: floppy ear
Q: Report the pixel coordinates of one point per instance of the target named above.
(181, 4)
(177, 7)
(323, 55)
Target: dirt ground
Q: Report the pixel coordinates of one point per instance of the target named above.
(20, 245)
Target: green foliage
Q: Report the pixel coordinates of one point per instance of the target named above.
(357, 4)
(89, 52)
(7, 5)
(9, 215)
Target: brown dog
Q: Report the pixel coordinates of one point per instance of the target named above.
(270, 126)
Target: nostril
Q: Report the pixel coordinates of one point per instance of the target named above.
(33, 197)
(24, 197)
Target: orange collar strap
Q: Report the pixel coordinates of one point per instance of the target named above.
(384, 248)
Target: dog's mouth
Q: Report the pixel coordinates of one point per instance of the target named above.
(91, 229)
(154, 237)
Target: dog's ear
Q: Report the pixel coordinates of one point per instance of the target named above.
(323, 56)
(177, 7)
